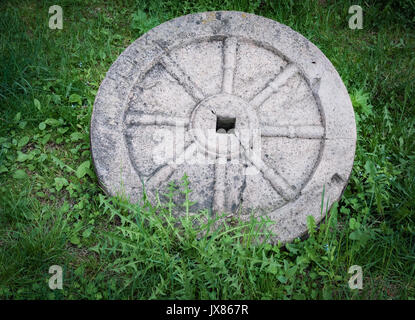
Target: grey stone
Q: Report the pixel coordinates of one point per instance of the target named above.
(253, 113)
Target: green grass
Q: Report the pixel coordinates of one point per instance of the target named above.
(53, 212)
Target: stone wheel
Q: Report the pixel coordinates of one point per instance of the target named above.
(251, 111)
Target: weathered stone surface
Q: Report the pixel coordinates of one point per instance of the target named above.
(249, 109)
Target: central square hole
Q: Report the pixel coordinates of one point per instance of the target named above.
(224, 123)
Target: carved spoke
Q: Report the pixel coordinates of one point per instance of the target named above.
(219, 188)
(182, 78)
(136, 119)
(273, 86)
(165, 172)
(229, 64)
(277, 181)
(297, 131)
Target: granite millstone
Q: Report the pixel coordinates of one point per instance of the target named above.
(251, 111)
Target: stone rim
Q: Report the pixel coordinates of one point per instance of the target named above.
(340, 133)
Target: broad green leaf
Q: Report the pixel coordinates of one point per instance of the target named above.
(22, 124)
(65, 207)
(282, 279)
(311, 224)
(45, 139)
(23, 141)
(37, 104)
(22, 157)
(359, 235)
(56, 99)
(83, 169)
(76, 136)
(62, 130)
(53, 122)
(87, 233)
(17, 117)
(353, 224)
(75, 98)
(370, 169)
(19, 174)
(60, 183)
(75, 240)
